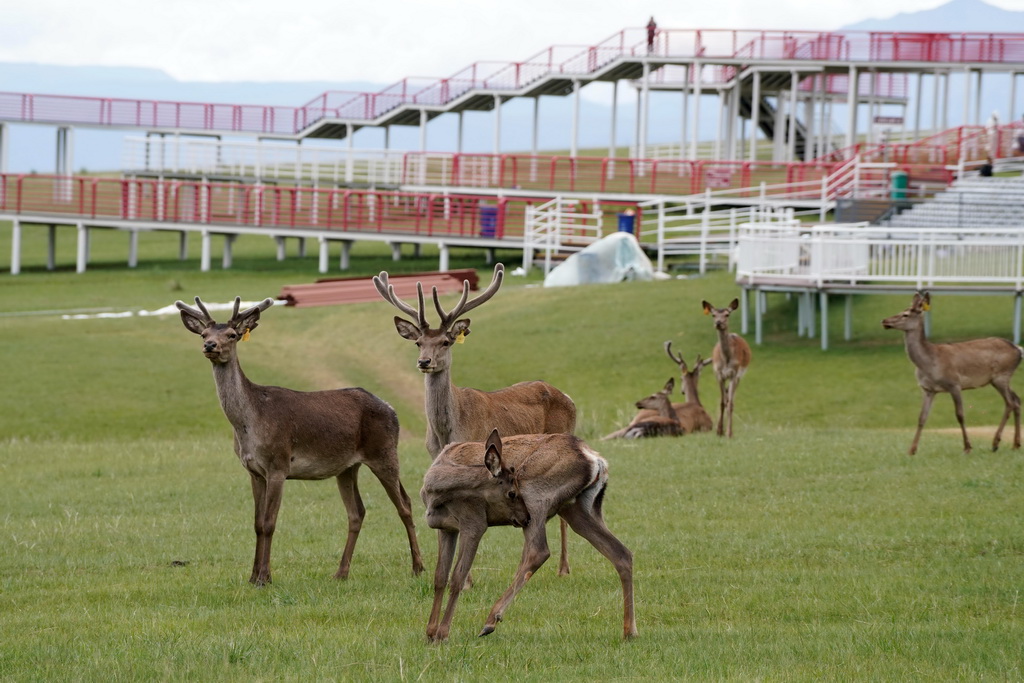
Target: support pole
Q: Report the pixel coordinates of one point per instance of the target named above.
(324, 255)
(755, 116)
(346, 255)
(575, 141)
(226, 257)
(443, 261)
(823, 297)
(15, 247)
(645, 110)
(183, 245)
(396, 251)
(1016, 318)
(83, 248)
(851, 105)
(204, 258)
(133, 248)
(51, 248)
(848, 318)
(280, 248)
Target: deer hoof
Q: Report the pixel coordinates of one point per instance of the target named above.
(487, 630)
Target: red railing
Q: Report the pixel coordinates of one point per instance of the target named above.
(558, 61)
(274, 208)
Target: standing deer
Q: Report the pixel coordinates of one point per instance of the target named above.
(522, 480)
(730, 358)
(456, 414)
(952, 368)
(664, 422)
(283, 434)
(691, 414)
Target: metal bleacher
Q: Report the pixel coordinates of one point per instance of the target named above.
(971, 201)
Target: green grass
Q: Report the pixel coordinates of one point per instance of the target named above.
(808, 547)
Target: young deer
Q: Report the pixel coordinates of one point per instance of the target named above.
(691, 414)
(522, 480)
(730, 357)
(952, 368)
(283, 434)
(665, 421)
(457, 414)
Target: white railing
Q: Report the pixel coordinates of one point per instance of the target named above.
(265, 161)
(861, 254)
(558, 226)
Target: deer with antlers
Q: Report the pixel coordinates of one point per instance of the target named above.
(283, 434)
(730, 359)
(521, 481)
(951, 368)
(691, 415)
(456, 414)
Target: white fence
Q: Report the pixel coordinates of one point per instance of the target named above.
(557, 226)
(853, 254)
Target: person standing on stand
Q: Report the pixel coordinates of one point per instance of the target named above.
(652, 30)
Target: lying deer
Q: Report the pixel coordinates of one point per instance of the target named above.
(284, 434)
(730, 358)
(522, 480)
(951, 368)
(664, 423)
(456, 414)
(691, 414)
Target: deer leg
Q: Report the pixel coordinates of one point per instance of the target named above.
(722, 393)
(259, 497)
(732, 400)
(388, 477)
(272, 505)
(590, 525)
(535, 554)
(958, 404)
(926, 407)
(467, 551)
(445, 552)
(563, 558)
(1016, 419)
(348, 487)
(1012, 405)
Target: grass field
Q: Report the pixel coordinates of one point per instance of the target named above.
(808, 547)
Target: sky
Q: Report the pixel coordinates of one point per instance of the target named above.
(378, 41)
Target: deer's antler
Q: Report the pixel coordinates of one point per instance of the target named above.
(465, 306)
(678, 360)
(387, 292)
(200, 314)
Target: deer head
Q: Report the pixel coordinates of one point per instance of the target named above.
(220, 339)
(720, 315)
(684, 372)
(659, 399)
(435, 344)
(909, 319)
(450, 495)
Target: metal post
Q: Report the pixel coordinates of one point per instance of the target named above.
(15, 247)
(324, 254)
(823, 297)
(133, 248)
(346, 255)
(755, 115)
(204, 259)
(851, 105)
(83, 248)
(574, 142)
(697, 89)
(645, 108)
(615, 119)
(51, 248)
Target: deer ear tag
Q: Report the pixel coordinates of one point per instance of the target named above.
(245, 335)
(926, 306)
(460, 338)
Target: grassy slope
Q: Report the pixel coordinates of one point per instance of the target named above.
(809, 546)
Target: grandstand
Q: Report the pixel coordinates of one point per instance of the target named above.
(817, 124)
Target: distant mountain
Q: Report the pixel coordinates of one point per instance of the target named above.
(956, 16)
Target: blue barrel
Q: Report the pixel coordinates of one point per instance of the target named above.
(626, 222)
(488, 221)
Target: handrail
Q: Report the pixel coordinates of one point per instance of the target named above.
(722, 45)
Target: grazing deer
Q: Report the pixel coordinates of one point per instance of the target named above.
(730, 358)
(691, 414)
(522, 480)
(456, 414)
(952, 368)
(284, 434)
(665, 422)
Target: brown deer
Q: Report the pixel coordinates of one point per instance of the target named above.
(522, 480)
(691, 414)
(664, 422)
(283, 434)
(951, 368)
(730, 358)
(457, 414)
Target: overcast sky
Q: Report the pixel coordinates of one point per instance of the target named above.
(379, 41)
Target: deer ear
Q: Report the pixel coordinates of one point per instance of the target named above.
(192, 323)
(734, 304)
(492, 454)
(670, 385)
(459, 327)
(707, 307)
(407, 329)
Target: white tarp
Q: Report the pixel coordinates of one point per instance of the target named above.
(613, 258)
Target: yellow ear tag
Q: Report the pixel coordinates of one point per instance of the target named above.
(245, 335)
(461, 338)
(926, 306)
